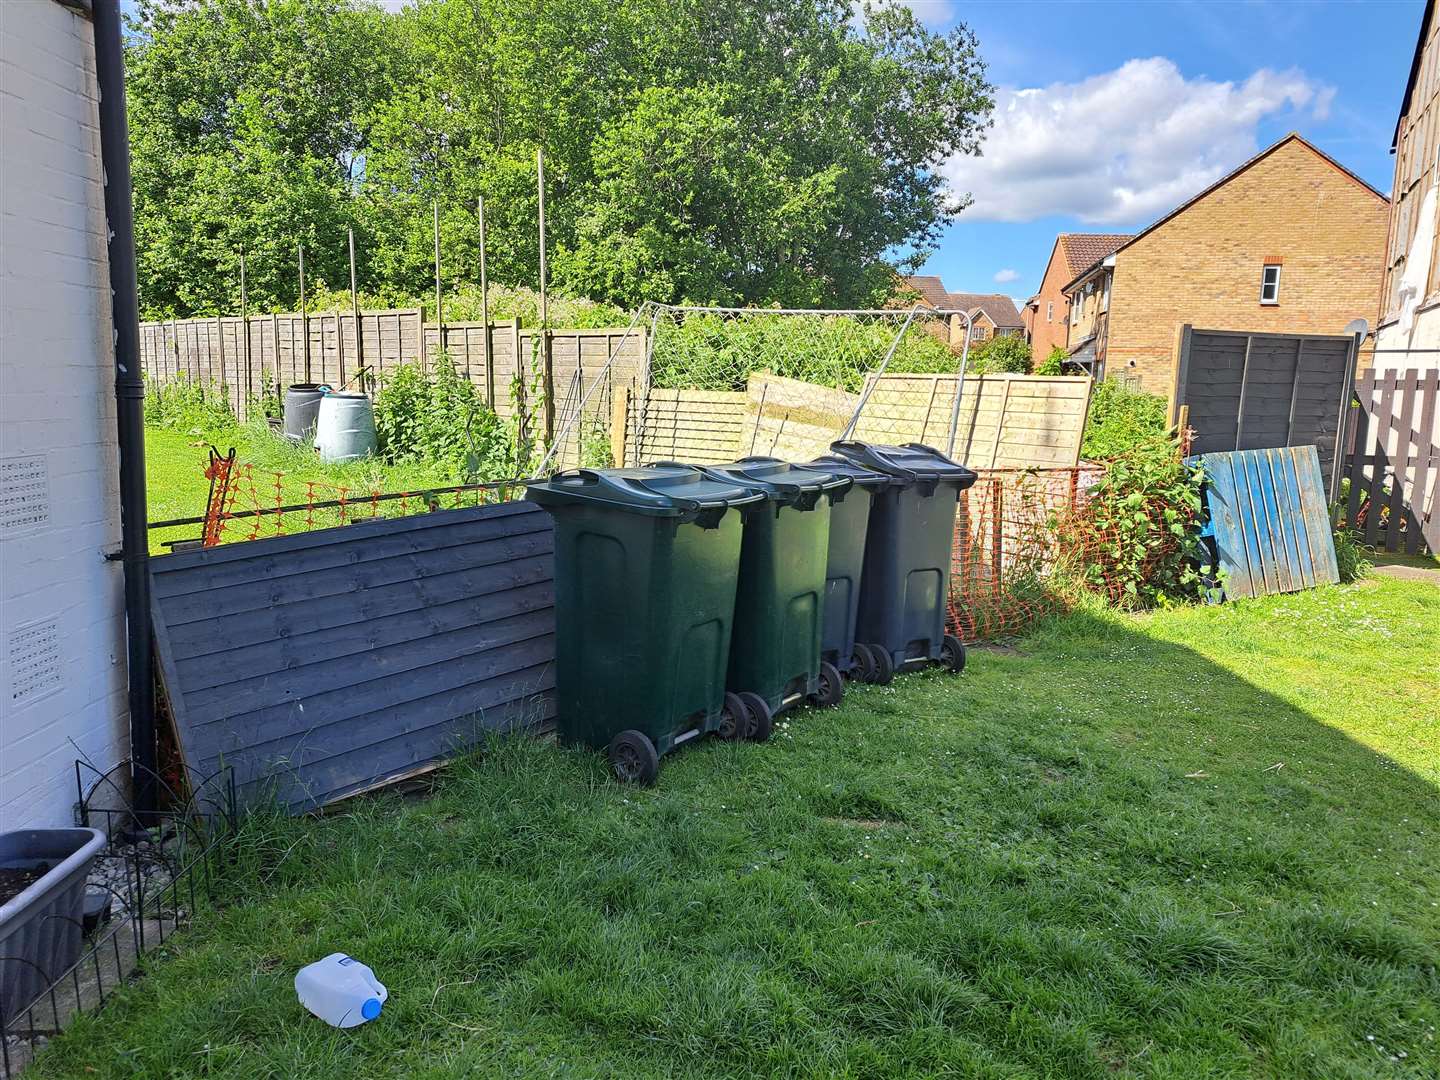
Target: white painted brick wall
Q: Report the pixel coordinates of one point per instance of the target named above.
(57, 399)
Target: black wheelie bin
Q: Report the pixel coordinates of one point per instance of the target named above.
(906, 580)
(849, 521)
(775, 644)
(646, 564)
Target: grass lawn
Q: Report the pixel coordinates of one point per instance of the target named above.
(175, 462)
(1197, 843)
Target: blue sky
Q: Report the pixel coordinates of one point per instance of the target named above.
(1112, 113)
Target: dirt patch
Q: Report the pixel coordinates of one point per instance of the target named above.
(14, 881)
(997, 648)
(865, 823)
(1409, 572)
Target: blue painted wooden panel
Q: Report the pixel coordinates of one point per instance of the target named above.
(1268, 521)
(320, 664)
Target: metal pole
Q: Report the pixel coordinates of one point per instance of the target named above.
(245, 341)
(960, 392)
(129, 399)
(304, 317)
(870, 387)
(545, 362)
(485, 308)
(439, 308)
(359, 327)
(540, 183)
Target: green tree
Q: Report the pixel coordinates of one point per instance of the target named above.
(753, 151)
(247, 134)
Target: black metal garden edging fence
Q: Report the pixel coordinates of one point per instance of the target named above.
(159, 869)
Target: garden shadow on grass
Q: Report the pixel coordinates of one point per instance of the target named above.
(1099, 873)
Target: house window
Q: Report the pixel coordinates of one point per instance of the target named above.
(1050, 311)
(1270, 284)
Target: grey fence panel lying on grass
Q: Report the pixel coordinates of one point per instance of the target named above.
(324, 663)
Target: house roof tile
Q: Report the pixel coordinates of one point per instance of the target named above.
(1000, 309)
(1086, 249)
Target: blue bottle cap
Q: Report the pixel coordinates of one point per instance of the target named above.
(370, 1009)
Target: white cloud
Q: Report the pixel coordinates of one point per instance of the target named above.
(1006, 275)
(1124, 147)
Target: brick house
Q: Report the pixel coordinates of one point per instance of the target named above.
(991, 314)
(63, 677)
(1290, 242)
(1409, 315)
(1047, 313)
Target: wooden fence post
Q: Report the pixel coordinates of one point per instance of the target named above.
(1423, 529)
(619, 420)
(997, 512)
(220, 334)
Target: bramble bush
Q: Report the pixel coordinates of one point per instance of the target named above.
(1052, 364)
(1120, 419)
(440, 418)
(1001, 354)
(1136, 536)
(713, 352)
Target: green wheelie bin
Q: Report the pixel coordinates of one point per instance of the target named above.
(906, 579)
(849, 521)
(646, 564)
(775, 643)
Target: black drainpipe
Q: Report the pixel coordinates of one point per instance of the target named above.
(129, 399)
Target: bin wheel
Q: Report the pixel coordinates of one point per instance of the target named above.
(884, 665)
(862, 662)
(832, 687)
(633, 758)
(734, 720)
(762, 723)
(952, 654)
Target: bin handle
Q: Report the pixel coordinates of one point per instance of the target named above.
(868, 452)
(588, 475)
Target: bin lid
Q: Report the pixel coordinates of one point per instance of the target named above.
(863, 476)
(913, 461)
(779, 480)
(668, 491)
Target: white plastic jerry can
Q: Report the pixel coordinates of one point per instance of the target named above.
(340, 990)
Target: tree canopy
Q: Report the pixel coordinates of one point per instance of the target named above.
(713, 151)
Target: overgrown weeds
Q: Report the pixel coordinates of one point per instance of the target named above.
(1120, 419)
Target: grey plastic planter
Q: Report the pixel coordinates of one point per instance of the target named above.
(41, 929)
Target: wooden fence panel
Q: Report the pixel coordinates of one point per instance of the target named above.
(307, 706)
(1266, 519)
(698, 426)
(1005, 420)
(793, 420)
(1392, 461)
(1251, 391)
(211, 351)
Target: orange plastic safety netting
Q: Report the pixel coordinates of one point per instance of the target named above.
(1027, 541)
(249, 503)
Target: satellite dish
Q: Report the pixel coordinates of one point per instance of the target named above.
(1359, 327)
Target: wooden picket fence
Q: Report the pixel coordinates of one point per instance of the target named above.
(1392, 461)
